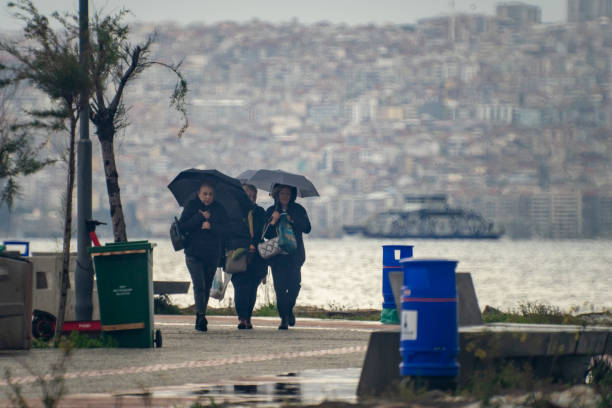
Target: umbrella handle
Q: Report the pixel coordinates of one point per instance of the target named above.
(265, 229)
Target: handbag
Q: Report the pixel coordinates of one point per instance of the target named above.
(177, 237)
(269, 248)
(236, 260)
(272, 247)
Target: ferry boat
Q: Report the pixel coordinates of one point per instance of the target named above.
(434, 219)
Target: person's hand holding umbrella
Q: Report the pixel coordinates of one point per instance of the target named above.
(275, 217)
(206, 215)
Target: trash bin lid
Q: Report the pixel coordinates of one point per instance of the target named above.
(14, 255)
(120, 247)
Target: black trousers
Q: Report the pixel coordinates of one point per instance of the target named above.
(245, 287)
(287, 277)
(202, 274)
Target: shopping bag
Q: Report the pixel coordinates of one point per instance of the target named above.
(286, 237)
(219, 284)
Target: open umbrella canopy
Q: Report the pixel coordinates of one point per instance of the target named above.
(228, 190)
(246, 175)
(266, 179)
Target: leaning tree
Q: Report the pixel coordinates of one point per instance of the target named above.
(115, 62)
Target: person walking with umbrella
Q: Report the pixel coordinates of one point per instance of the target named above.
(205, 222)
(286, 268)
(245, 284)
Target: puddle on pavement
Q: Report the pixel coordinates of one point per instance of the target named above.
(304, 387)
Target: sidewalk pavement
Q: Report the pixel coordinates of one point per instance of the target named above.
(188, 359)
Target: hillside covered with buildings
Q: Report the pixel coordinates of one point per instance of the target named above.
(505, 115)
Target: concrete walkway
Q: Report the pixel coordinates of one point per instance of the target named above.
(223, 355)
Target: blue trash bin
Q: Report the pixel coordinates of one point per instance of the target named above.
(24, 244)
(391, 263)
(429, 340)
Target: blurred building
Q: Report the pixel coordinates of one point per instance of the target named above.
(597, 215)
(586, 10)
(519, 14)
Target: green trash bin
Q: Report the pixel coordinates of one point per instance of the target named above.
(124, 275)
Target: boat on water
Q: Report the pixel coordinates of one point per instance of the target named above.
(434, 219)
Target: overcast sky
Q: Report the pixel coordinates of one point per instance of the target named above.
(306, 11)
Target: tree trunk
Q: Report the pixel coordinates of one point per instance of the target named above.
(112, 187)
(65, 276)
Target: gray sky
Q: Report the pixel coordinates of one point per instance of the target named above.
(306, 11)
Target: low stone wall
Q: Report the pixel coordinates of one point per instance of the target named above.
(557, 351)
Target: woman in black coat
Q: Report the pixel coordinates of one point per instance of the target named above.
(286, 269)
(205, 221)
(246, 283)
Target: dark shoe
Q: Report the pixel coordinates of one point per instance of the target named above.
(201, 322)
(283, 325)
(242, 325)
(291, 318)
(248, 324)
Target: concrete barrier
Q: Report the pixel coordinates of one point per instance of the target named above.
(381, 364)
(553, 351)
(468, 311)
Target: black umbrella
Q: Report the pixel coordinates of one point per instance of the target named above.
(228, 190)
(266, 179)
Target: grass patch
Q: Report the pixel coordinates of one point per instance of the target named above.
(486, 387)
(534, 313)
(600, 378)
(76, 340)
(270, 310)
(344, 314)
(500, 379)
(163, 305)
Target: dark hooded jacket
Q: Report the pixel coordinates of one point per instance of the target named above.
(257, 264)
(259, 220)
(204, 244)
(299, 222)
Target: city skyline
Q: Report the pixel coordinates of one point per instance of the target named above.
(346, 11)
(514, 127)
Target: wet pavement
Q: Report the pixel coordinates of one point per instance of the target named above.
(314, 361)
(306, 387)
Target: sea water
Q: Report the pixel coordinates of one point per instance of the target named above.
(346, 273)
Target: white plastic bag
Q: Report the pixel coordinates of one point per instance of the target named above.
(219, 284)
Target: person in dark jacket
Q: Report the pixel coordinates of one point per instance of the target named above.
(246, 283)
(286, 269)
(205, 222)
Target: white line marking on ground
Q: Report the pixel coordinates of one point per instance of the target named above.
(190, 364)
(270, 327)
